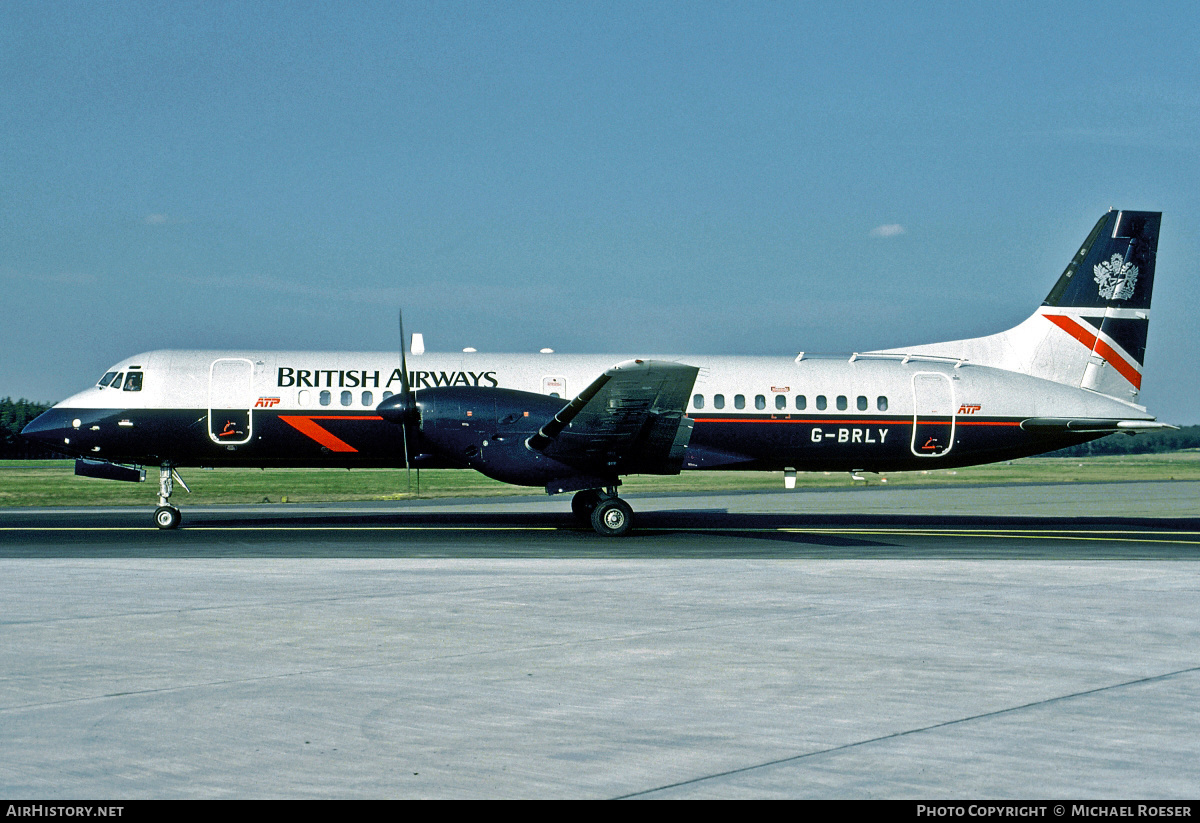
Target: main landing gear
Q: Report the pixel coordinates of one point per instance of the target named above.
(608, 514)
(167, 516)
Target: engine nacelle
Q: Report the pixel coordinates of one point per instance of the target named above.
(486, 429)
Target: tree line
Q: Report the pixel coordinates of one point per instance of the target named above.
(1157, 442)
(14, 414)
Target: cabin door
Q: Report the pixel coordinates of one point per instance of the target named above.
(933, 415)
(229, 400)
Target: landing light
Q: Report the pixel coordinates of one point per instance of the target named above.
(547, 351)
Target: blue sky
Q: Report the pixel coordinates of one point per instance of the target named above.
(743, 178)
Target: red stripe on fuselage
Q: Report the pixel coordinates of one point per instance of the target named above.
(827, 421)
(824, 420)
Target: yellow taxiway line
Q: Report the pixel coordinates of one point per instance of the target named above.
(1123, 535)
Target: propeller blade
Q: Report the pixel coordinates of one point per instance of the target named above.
(406, 403)
(401, 408)
(405, 389)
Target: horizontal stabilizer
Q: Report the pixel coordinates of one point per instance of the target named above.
(1051, 425)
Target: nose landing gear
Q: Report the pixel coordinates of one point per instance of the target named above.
(167, 516)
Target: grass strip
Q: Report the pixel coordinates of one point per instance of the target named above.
(53, 482)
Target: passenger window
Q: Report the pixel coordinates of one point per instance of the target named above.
(781, 401)
(862, 403)
(116, 383)
(698, 401)
(133, 381)
(386, 395)
(367, 398)
(822, 403)
(718, 401)
(841, 402)
(347, 398)
(739, 401)
(326, 398)
(107, 378)
(801, 402)
(303, 398)
(760, 402)
(881, 403)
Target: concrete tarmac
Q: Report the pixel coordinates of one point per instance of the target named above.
(882, 643)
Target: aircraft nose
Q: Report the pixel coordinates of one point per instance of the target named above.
(49, 428)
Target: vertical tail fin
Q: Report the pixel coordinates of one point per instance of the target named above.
(1102, 300)
(1091, 329)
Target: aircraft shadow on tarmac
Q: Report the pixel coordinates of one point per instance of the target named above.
(664, 534)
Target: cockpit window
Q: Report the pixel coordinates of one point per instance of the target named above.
(116, 383)
(133, 381)
(107, 378)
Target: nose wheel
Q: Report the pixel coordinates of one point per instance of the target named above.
(167, 516)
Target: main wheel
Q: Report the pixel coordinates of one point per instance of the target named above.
(612, 517)
(167, 517)
(584, 503)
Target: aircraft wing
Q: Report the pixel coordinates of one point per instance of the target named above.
(630, 420)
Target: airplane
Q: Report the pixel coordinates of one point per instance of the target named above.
(1070, 373)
